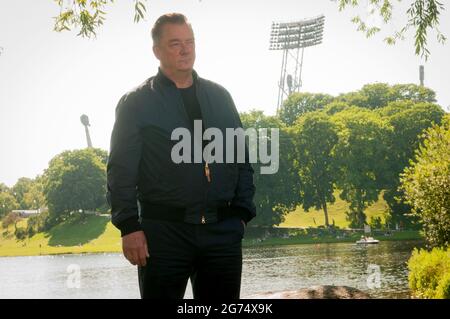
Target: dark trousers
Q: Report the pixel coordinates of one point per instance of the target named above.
(209, 254)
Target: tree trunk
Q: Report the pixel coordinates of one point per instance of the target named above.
(360, 209)
(325, 211)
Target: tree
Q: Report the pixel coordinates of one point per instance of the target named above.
(88, 15)
(102, 154)
(7, 203)
(370, 96)
(426, 183)
(11, 218)
(34, 198)
(412, 92)
(360, 159)
(301, 103)
(75, 180)
(335, 107)
(408, 120)
(4, 188)
(279, 193)
(19, 189)
(422, 16)
(315, 141)
(379, 95)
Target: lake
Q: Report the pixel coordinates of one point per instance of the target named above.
(379, 270)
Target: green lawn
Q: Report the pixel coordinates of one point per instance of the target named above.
(97, 234)
(336, 212)
(306, 239)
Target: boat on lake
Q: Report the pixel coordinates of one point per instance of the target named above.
(367, 241)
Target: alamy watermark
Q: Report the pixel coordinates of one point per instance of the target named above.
(258, 144)
(374, 278)
(74, 276)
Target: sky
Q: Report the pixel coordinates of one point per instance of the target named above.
(49, 79)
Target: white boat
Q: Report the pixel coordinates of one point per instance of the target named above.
(367, 240)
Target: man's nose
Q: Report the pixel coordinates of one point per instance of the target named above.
(185, 49)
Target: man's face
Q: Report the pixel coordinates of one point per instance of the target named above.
(176, 48)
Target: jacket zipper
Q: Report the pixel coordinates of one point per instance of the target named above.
(207, 169)
(208, 178)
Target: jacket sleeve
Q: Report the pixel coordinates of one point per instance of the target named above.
(245, 190)
(123, 167)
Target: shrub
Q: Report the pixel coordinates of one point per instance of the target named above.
(10, 219)
(426, 185)
(375, 222)
(20, 233)
(429, 275)
(443, 289)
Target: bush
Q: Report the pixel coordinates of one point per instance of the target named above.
(443, 290)
(426, 183)
(429, 275)
(37, 224)
(20, 233)
(375, 222)
(10, 219)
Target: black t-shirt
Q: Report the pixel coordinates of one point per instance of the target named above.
(192, 107)
(191, 104)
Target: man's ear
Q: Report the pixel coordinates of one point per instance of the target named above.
(156, 52)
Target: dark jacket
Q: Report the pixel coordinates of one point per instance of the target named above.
(141, 173)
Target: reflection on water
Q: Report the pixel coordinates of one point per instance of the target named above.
(265, 269)
(301, 266)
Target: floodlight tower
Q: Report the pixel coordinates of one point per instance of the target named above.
(291, 37)
(421, 74)
(85, 121)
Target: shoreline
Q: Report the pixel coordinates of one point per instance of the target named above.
(246, 243)
(282, 242)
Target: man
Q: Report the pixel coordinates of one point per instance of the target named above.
(178, 220)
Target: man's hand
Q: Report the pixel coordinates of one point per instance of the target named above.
(135, 249)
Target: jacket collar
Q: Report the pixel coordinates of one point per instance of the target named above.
(163, 79)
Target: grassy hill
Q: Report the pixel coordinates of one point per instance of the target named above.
(336, 212)
(97, 234)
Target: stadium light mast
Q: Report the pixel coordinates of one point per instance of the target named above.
(421, 74)
(290, 37)
(85, 121)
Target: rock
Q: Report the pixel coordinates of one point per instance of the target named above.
(314, 292)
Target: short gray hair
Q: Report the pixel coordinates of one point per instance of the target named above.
(174, 18)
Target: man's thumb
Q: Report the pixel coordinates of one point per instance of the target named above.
(146, 251)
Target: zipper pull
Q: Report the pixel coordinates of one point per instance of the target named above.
(207, 173)
(203, 220)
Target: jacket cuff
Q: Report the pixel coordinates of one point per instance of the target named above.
(244, 213)
(129, 226)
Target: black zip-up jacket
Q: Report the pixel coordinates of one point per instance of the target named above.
(141, 173)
